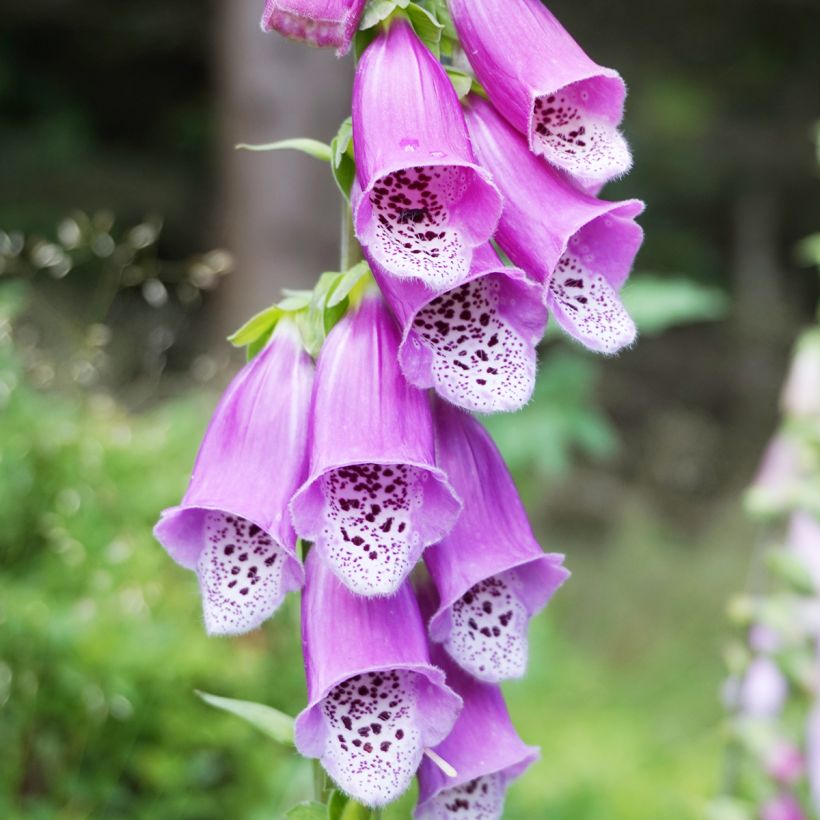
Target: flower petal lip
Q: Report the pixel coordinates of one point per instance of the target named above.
(483, 741)
(543, 211)
(520, 305)
(549, 226)
(253, 455)
(521, 53)
(406, 115)
(322, 23)
(345, 635)
(493, 534)
(364, 412)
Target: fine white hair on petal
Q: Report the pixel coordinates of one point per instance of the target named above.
(414, 236)
(479, 360)
(240, 574)
(588, 307)
(488, 630)
(478, 799)
(369, 537)
(373, 744)
(569, 136)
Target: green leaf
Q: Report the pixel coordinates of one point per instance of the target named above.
(307, 811)
(272, 722)
(336, 805)
(346, 282)
(341, 142)
(355, 811)
(314, 148)
(255, 347)
(426, 26)
(462, 82)
(295, 300)
(791, 569)
(378, 10)
(342, 163)
(657, 303)
(263, 322)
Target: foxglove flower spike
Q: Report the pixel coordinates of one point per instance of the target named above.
(374, 499)
(474, 343)
(422, 204)
(375, 701)
(483, 748)
(323, 23)
(579, 247)
(233, 526)
(490, 573)
(541, 80)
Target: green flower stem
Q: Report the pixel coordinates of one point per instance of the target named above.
(322, 787)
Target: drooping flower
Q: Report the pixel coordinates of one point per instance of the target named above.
(540, 79)
(483, 748)
(785, 763)
(474, 343)
(323, 23)
(490, 573)
(232, 526)
(375, 702)
(374, 499)
(422, 204)
(581, 248)
(763, 689)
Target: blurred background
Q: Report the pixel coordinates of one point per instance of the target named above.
(133, 238)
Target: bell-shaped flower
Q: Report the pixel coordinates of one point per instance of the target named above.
(232, 526)
(483, 748)
(490, 573)
(541, 80)
(475, 342)
(763, 689)
(421, 204)
(375, 702)
(374, 498)
(581, 248)
(323, 23)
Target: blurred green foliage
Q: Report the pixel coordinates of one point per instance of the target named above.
(102, 647)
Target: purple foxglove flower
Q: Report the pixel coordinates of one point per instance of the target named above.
(232, 526)
(540, 79)
(763, 690)
(579, 247)
(782, 807)
(474, 343)
(785, 763)
(422, 203)
(483, 748)
(374, 499)
(323, 23)
(490, 573)
(375, 702)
